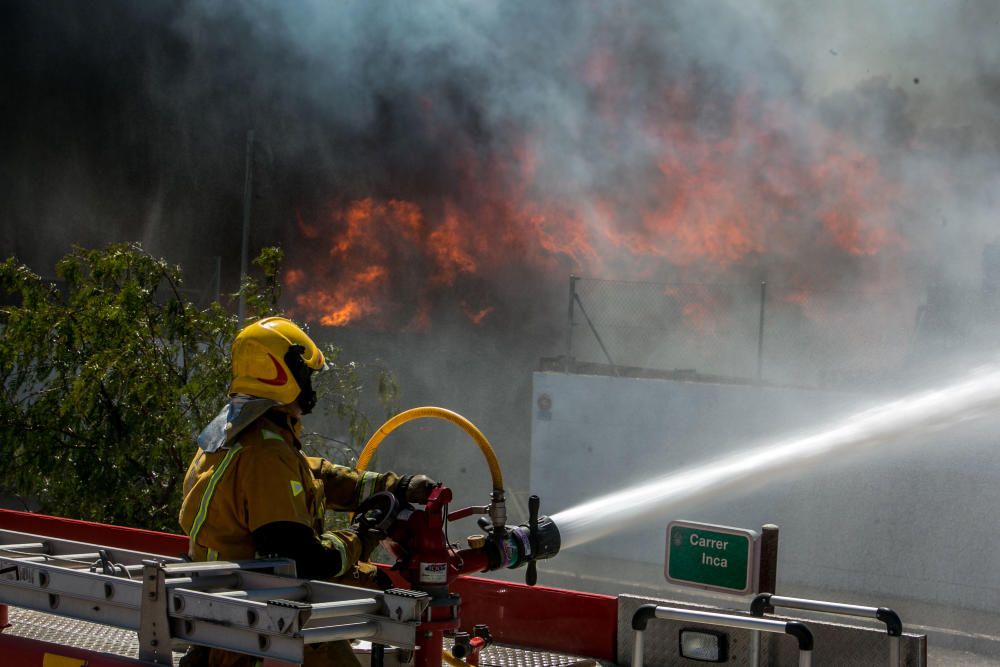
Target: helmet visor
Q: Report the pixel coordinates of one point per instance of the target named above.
(303, 377)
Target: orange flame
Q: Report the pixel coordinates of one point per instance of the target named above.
(761, 183)
(295, 277)
(699, 316)
(477, 316)
(798, 297)
(445, 245)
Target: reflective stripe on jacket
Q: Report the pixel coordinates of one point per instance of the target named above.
(262, 478)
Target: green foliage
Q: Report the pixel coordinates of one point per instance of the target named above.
(102, 381)
(350, 383)
(262, 296)
(106, 378)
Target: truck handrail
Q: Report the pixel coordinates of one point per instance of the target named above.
(893, 624)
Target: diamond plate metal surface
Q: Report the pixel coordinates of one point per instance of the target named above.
(850, 646)
(71, 632)
(106, 639)
(499, 655)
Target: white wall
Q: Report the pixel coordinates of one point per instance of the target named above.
(918, 519)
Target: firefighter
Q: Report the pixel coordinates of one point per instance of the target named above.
(251, 492)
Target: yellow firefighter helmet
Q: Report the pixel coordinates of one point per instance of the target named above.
(273, 358)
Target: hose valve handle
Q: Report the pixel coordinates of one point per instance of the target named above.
(531, 573)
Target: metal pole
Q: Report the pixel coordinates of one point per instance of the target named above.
(218, 277)
(768, 561)
(247, 198)
(593, 330)
(638, 649)
(760, 330)
(767, 581)
(568, 361)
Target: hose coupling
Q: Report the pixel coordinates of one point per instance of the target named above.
(498, 509)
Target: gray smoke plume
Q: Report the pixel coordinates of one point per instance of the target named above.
(878, 120)
(128, 119)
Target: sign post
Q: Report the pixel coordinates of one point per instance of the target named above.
(718, 558)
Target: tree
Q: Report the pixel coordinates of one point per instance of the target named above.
(106, 377)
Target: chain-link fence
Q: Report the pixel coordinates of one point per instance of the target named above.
(709, 329)
(769, 332)
(203, 280)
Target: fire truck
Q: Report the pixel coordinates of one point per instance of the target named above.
(82, 594)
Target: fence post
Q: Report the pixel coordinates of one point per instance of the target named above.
(568, 361)
(247, 203)
(760, 330)
(597, 336)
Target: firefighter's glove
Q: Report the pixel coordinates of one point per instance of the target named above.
(373, 519)
(369, 539)
(415, 489)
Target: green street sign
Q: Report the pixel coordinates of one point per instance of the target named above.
(713, 557)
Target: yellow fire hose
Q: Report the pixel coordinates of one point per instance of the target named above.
(497, 508)
(448, 657)
(436, 413)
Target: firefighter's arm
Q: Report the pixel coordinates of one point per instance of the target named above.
(325, 556)
(278, 515)
(346, 488)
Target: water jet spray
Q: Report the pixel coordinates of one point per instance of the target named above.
(975, 396)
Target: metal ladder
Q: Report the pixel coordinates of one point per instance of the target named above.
(253, 607)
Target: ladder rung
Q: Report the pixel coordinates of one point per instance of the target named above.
(47, 558)
(337, 632)
(28, 546)
(286, 593)
(343, 608)
(201, 583)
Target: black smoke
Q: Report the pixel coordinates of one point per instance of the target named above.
(124, 120)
